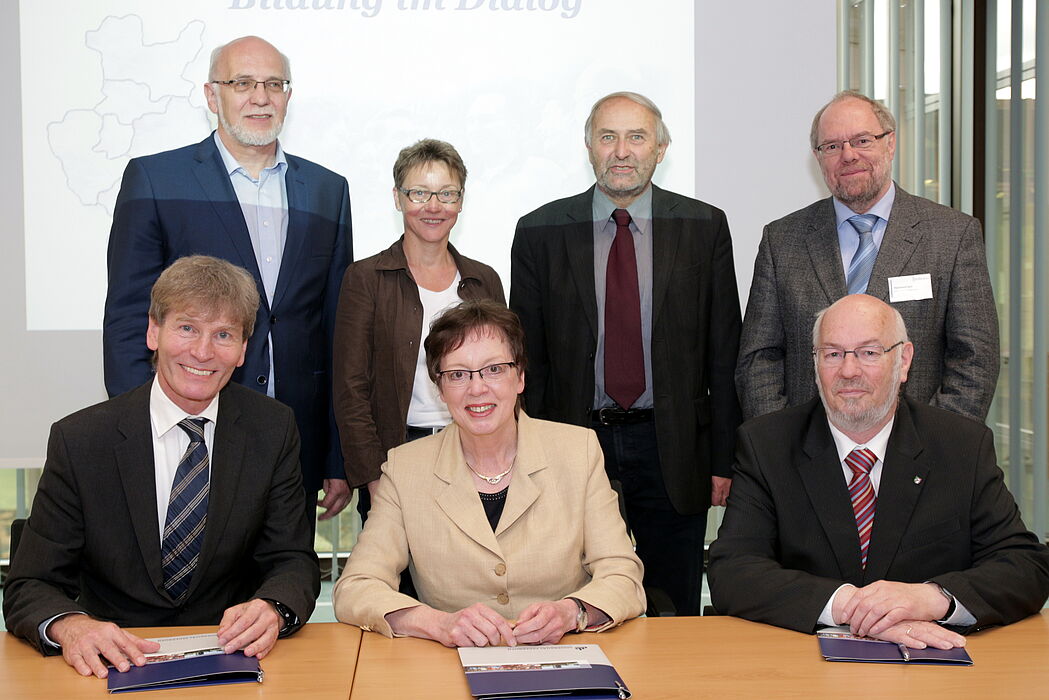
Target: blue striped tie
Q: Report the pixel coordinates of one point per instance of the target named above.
(187, 512)
(863, 261)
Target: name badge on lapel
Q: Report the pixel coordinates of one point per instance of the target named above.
(910, 288)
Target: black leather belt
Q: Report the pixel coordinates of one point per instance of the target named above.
(413, 432)
(613, 415)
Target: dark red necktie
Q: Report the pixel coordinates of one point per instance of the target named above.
(624, 356)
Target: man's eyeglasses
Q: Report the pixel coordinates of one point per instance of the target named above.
(491, 374)
(249, 85)
(865, 354)
(862, 142)
(423, 196)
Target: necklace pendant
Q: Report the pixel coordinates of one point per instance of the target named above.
(493, 480)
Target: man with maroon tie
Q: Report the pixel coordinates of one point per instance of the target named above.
(628, 297)
(871, 510)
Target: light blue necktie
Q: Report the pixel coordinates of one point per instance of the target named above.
(859, 273)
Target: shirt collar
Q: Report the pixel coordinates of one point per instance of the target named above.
(882, 208)
(640, 209)
(876, 444)
(231, 164)
(165, 415)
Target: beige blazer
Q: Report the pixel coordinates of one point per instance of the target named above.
(560, 533)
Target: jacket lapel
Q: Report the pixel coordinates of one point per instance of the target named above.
(903, 476)
(579, 248)
(821, 240)
(298, 227)
(902, 237)
(825, 484)
(458, 499)
(666, 233)
(531, 458)
(137, 470)
(210, 172)
(227, 461)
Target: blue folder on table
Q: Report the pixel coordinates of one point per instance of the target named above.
(215, 669)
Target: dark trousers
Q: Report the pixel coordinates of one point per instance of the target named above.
(669, 544)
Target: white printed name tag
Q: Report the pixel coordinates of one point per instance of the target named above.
(910, 288)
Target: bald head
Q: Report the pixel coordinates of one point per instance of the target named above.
(860, 389)
(249, 45)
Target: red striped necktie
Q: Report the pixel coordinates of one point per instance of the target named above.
(861, 491)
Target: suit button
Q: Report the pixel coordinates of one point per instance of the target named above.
(262, 379)
(500, 569)
(503, 599)
(273, 320)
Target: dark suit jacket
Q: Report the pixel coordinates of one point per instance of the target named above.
(695, 330)
(182, 203)
(92, 542)
(798, 271)
(943, 514)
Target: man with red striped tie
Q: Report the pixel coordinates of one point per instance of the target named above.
(870, 510)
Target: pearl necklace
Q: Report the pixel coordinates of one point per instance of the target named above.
(493, 480)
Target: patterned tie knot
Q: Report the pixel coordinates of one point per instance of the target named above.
(194, 427)
(622, 217)
(861, 461)
(863, 223)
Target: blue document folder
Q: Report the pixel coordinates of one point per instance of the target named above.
(216, 669)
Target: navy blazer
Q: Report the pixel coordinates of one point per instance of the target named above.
(182, 203)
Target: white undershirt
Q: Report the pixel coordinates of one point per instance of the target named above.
(427, 409)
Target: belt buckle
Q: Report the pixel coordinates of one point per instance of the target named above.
(607, 415)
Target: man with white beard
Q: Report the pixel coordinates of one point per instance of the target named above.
(238, 196)
(872, 510)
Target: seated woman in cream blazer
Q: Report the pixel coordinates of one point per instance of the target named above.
(507, 524)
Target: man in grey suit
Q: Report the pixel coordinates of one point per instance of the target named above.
(179, 502)
(627, 294)
(868, 509)
(870, 237)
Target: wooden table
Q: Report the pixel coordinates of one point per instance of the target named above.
(317, 662)
(724, 657)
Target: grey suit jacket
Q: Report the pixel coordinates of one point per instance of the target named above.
(92, 543)
(943, 514)
(695, 330)
(798, 271)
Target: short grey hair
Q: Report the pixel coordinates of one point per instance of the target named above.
(884, 116)
(217, 53)
(662, 132)
(898, 325)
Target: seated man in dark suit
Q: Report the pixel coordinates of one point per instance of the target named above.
(177, 503)
(865, 509)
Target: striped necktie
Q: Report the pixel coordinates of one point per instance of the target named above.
(861, 492)
(187, 512)
(859, 273)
